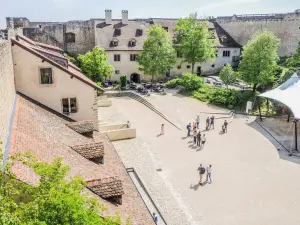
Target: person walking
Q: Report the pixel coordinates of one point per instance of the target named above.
(199, 139)
(155, 218)
(162, 129)
(194, 126)
(188, 127)
(198, 121)
(195, 136)
(203, 140)
(207, 123)
(225, 125)
(208, 174)
(212, 122)
(201, 170)
(128, 124)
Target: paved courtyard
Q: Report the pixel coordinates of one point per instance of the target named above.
(251, 184)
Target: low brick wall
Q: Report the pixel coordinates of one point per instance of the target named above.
(122, 134)
(112, 127)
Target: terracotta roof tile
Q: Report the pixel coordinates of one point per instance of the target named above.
(48, 137)
(90, 151)
(49, 46)
(106, 187)
(82, 127)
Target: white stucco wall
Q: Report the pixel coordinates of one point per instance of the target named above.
(27, 80)
(127, 67)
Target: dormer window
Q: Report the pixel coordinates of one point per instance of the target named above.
(117, 32)
(139, 32)
(223, 38)
(114, 42)
(132, 43)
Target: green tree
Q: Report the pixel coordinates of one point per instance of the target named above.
(193, 40)
(158, 55)
(294, 61)
(57, 199)
(94, 64)
(227, 75)
(259, 59)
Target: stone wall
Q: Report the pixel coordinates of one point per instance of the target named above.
(7, 90)
(54, 34)
(285, 26)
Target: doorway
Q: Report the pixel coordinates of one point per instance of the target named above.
(135, 78)
(199, 71)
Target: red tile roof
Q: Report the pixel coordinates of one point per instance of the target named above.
(32, 46)
(106, 187)
(90, 151)
(81, 127)
(48, 137)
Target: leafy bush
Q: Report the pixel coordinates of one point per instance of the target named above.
(173, 83)
(123, 81)
(191, 82)
(225, 97)
(204, 93)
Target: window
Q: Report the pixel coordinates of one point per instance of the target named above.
(114, 43)
(70, 38)
(133, 57)
(179, 67)
(188, 66)
(166, 29)
(226, 53)
(139, 32)
(117, 32)
(179, 55)
(117, 71)
(117, 58)
(132, 43)
(69, 105)
(46, 75)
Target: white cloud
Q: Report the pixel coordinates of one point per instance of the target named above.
(227, 3)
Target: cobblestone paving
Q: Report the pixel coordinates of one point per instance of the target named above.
(252, 182)
(139, 154)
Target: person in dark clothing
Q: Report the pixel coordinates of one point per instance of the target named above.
(199, 139)
(188, 127)
(207, 123)
(195, 136)
(212, 122)
(225, 125)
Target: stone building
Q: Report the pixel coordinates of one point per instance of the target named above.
(123, 38)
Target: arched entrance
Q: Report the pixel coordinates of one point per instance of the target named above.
(135, 78)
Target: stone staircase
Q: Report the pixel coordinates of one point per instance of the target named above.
(142, 100)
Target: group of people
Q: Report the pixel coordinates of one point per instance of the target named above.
(202, 172)
(199, 139)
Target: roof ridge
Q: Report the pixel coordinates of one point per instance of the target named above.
(33, 51)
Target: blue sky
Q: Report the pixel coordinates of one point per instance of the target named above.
(64, 10)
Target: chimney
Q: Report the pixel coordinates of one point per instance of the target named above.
(108, 19)
(125, 17)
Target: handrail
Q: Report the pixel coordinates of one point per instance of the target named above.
(131, 169)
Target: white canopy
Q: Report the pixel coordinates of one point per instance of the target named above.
(288, 94)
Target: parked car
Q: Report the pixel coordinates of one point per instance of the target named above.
(218, 84)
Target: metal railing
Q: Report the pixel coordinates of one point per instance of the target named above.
(132, 170)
